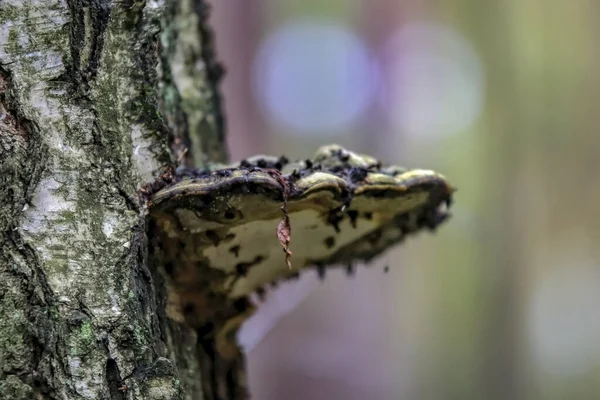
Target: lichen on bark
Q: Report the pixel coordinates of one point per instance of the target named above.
(189, 77)
(80, 133)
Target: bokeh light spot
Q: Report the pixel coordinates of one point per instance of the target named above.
(436, 83)
(314, 76)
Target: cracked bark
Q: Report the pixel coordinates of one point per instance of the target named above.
(97, 99)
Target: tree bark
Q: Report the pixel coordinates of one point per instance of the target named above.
(97, 99)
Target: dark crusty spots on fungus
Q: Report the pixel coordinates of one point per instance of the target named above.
(337, 169)
(261, 293)
(213, 237)
(241, 304)
(350, 269)
(243, 267)
(340, 154)
(334, 220)
(282, 162)
(224, 173)
(321, 271)
(230, 214)
(353, 215)
(358, 174)
(235, 250)
(329, 242)
(346, 196)
(295, 175)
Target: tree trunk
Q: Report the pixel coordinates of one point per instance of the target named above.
(97, 99)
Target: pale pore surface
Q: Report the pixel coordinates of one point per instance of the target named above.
(312, 239)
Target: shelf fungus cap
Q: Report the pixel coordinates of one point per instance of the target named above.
(341, 207)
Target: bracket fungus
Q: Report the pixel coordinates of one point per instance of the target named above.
(226, 233)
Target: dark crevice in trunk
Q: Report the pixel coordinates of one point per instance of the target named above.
(76, 43)
(80, 72)
(99, 13)
(18, 176)
(41, 334)
(116, 386)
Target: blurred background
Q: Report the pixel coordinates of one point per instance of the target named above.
(501, 97)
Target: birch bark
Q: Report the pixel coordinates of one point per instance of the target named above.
(97, 98)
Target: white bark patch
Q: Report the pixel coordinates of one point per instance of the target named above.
(142, 158)
(48, 63)
(70, 248)
(44, 202)
(112, 308)
(154, 4)
(46, 108)
(88, 382)
(107, 228)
